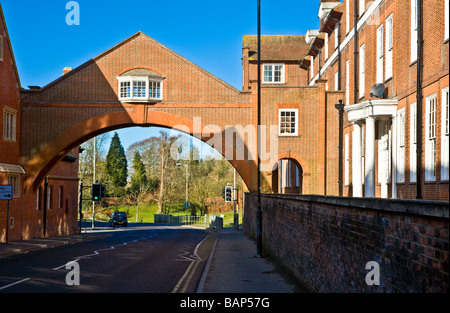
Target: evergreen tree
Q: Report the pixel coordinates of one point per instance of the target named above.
(116, 164)
(139, 176)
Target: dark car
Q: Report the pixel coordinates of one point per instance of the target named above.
(118, 218)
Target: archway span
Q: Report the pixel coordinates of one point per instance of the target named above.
(39, 166)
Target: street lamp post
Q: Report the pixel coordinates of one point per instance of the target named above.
(187, 183)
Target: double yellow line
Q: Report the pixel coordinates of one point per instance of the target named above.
(187, 276)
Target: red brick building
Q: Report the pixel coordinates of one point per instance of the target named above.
(26, 218)
(380, 131)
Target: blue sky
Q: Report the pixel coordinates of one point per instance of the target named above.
(208, 33)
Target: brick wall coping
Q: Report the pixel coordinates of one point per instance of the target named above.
(439, 209)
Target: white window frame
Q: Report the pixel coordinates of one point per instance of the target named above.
(14, 180)
(336, 80)
(362, 70)
(347, 82)
(273, 70)
(389, 46)
(347, 16)
(280, 122)
(9, 124)
(430, 138)
(312, 68)
(445, 151)
(413, 35)
(148, 84)
(336, 38)
(413, 143)
(362, 7)
(326, 45)
(446, 23)
(347, 159)
(380, 53)
(400, 146)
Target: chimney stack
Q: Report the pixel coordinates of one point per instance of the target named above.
(66, 70)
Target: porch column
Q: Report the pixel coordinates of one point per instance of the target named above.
(356, 161)
(394, 157)
(369, 181)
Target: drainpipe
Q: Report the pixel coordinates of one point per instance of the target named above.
(419, 99)
(340, 107)
(355, 61)
(339, 53)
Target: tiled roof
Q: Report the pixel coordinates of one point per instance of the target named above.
(277, 47)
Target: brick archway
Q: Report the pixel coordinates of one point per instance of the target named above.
(38, 167)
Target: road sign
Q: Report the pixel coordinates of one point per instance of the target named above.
(6, 192)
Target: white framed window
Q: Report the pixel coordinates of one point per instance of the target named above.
(326, 45)
(401, 146)
(389, 45)
(362, 7)
(347, 159)
(430, 138)
(362, 70)
(288, 122)
(413, 36)
(412, 143)
(9, 124)
(347, 82)
(446, 30)
(288, 174)
(1, 47)
(273, 73)
(380, 53)
(336, 33)
(312, 68)
(347, 16)
(336, 80)
(14, 181)
(445, 135)
(140, 89)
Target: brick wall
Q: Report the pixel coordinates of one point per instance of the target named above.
(326, 242)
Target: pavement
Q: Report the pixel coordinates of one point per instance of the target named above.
(232, 266)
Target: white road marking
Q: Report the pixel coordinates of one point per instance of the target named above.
(16, 283)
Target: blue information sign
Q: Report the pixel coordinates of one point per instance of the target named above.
(6, 192)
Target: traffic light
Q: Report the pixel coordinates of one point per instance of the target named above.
(96, 192)
(228, 194)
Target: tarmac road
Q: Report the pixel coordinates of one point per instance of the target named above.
(146, 259)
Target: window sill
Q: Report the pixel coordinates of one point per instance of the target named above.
(10, 140)
(131, 100)
(388, 79)
(446, 41)
(413, 63)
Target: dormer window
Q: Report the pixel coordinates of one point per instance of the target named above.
(140, 85)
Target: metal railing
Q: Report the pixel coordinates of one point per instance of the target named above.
(207, 221)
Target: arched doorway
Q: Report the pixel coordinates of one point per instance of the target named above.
(287, 176)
